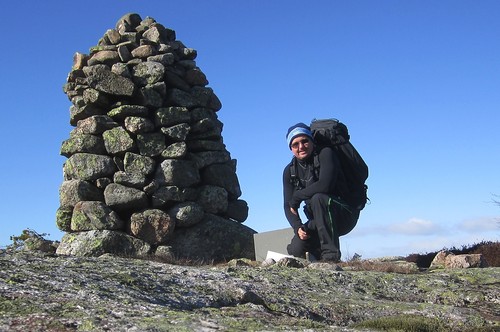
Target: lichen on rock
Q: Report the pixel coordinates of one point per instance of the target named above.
(41, 292)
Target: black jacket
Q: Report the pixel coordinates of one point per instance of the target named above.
(313, 180)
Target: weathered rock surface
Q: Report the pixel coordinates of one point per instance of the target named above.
(57, 293)
(147, 138)
(99, 242)
(449, 260)
(209, 238)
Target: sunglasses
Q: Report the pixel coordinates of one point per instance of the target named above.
(304, 142)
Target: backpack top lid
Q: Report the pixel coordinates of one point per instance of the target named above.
(329, 132)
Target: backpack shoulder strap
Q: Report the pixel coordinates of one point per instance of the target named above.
(293, 168)
(294, 179)
(316, 164)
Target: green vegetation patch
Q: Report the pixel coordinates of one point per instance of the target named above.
(407, 323)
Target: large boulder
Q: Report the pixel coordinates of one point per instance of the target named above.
(448, 260)
(99, 242)
(214, 239)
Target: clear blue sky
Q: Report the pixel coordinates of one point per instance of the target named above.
(417, 83)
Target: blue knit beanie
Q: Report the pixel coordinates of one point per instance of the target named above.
(297, 130)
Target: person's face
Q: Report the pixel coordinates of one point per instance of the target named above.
(302, 147)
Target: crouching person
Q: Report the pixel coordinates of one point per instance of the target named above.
(315, 185)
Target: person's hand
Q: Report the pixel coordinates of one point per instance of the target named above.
(302, 234)
(294, 211)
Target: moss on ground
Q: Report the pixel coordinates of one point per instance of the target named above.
(407, 323)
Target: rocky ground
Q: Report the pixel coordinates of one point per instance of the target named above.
(43, 292)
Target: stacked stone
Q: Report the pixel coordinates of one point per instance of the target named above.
(147, 156)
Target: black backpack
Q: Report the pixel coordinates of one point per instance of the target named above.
(351, 187)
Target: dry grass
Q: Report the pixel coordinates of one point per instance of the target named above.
(490, 251)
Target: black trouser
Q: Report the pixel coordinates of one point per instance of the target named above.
(328, 219)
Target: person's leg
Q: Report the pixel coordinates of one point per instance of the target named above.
(298, 247)
(345, 219)
(323, 223)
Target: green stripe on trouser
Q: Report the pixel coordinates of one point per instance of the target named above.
(333, 225)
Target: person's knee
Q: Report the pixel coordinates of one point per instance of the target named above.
(319, 199)
(319, 202)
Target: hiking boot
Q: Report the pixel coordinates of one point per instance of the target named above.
(310, 257)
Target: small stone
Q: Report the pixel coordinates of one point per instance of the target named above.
(113, 36)
(78, 113)
(178, 132)
(148, 73)
(122, 198)
(79, 60)
(151, 144)
(82, 143)
(153, 226)
(239, 262)
(96, 124)
(150, 97)
(174, 172)
(188, 53)
(102, 183)
(124, 53)
(170, 116)
(63, 218)
(94, 215)
(187, 214)
(128, 22)
(121, 112)
(135, 163)
(290, 262)
(175, 151)
(143, 51)
(196, 77)
(88, 167)
(118, 141)
(213, 199)
(268, 262)
(166, 59)
(92, 96)
(164, 253)
(133, 180)
(138, 125)
(111, 83)
(74, 191)
(237, 210)
(105, 57)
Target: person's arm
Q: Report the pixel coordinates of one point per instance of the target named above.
(328, 173)
(288, 190)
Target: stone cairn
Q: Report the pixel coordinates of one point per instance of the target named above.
(147, 170)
